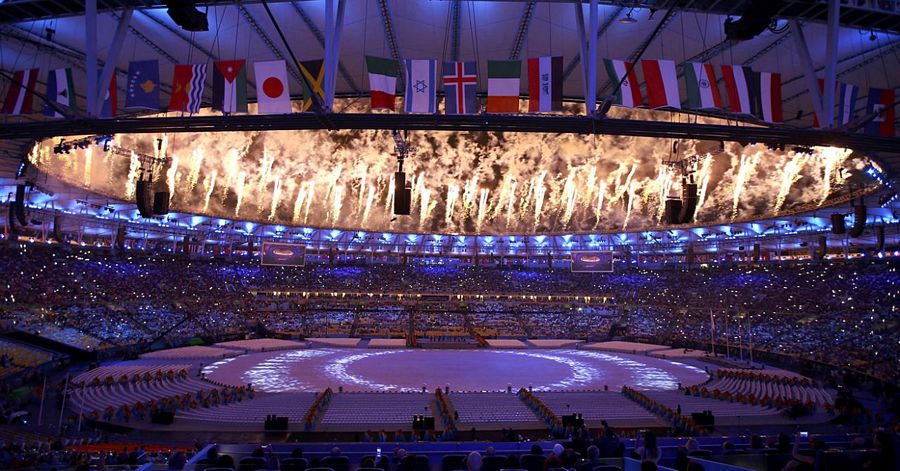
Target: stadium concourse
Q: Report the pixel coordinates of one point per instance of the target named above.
(418, 235)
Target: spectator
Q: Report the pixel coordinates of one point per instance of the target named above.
(650, 451)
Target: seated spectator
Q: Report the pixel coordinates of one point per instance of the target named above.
(473, 461)
(650, 451)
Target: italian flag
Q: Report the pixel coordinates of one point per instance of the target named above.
(504, 78)
(383, 75)
(662, 83)
(737, 85)
(545, 77)
(770, 97)
(701, 85)
(629, 94)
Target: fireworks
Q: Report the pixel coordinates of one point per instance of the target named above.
(475, 182)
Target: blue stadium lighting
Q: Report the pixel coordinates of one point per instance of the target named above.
(334, 234)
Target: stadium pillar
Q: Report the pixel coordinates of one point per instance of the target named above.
(90, 51)
(831, 51)
(809, 71)
(112, 58)
(333, 29)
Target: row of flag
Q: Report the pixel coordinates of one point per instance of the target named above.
(747, 92)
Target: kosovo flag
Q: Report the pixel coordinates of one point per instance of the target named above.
(143, 85)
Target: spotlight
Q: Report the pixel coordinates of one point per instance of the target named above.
(628, 20)
(186, 15)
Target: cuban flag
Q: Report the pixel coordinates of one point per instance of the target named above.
(460, 81)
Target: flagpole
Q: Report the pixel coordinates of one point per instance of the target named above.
(62, 410)
(43, 395)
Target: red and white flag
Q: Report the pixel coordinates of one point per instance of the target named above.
(662, 83)
(272, 93)
(737, 87)
(770, 97)
(545, 77)
(18, 98)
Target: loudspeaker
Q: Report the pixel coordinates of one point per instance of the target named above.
(144, 198)
(120, 237)
(186, 244)
(422, 423)
(161, 203)
(57, 228)
(689, 196)
(402, 195)
(859, 221)
(879, 239)
(13, 229)
(838, 224)
(19, 205)
(162, 418)
(673, 210)
(575, 420)
(819, 252)
(756, 252)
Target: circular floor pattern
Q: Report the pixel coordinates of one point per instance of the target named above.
(404, 370)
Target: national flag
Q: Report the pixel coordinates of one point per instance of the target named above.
(881, 101)
(702, 86)
(383, 75)
(737, 86)
(662, 83)
(545, 77)
(629, 94)
(421, 84)
(272, 93)
(314, 71)
(504, 80)
(20, 94)
(847, 95)
(821, 84)
(187, 87)
(143, 85)
(770, 97)
(60, 90)
(111, 99)
(230, 86)
(460, 82)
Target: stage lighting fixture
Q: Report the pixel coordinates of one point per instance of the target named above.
(755, 20)
(185, 14)
(23, 166)
(628, 20)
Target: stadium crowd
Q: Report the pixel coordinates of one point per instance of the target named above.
(844, 313)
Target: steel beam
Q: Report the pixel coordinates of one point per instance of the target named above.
(570, 67)
(321, 39)
(831, 48)
(455, 14)
(112, 57)
(90, 47)
(492, 123)
(522, 30)
(809, 72)
(334, 25)
(387, 22)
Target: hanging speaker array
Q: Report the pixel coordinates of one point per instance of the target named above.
(859, 220)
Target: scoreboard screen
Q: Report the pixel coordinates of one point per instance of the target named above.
(281, 254)
(592, 262)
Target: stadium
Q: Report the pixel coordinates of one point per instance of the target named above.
(410, 235)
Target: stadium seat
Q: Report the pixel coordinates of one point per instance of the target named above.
(337, 463)
(453, 462)
(493, 463)
(251, 464)
(294, 464)
(533, 462)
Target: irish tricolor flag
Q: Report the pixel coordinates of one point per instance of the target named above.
(629, 94)
(383, 75)
(662, 83)
(504, 78)
(545, 76)
(702, 89)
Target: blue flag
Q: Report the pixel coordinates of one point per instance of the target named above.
(460, 81)
(143, 85)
